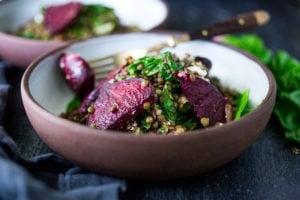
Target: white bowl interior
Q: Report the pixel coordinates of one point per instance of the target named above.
(19, 12)
(234, 69)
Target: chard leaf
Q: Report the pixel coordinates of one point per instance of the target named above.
(165, 65)
(167, 103)
(73, 104)
(171, 63)
(286, 109)
(286, 70)
(145, 125)
(190, 124)
(242, 103)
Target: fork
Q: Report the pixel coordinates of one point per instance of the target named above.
(102, 66)
(242, 22)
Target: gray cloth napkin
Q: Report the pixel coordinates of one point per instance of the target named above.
(47, 176)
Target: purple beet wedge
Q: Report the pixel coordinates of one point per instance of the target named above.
(57, 18)
(207, 101)
(119, 102)
(77, 73)
(92, 96)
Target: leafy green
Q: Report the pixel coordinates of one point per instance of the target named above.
(252, 44)
(171, 63)
(242, 104)
(145, 124)
(286, 70)
(73, 104)
(167, 103)
(164, 65)
(287, 73)
(151, 66)
(187, 117)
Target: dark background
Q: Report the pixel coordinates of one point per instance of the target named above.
(267, 170)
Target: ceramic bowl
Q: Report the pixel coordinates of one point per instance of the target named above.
(156, 157)
(14, 14)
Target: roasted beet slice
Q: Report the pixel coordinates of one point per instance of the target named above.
(119, 102)
(58, 17)
(77, 73)
(92, 96)
(87, 101)
(207, 101)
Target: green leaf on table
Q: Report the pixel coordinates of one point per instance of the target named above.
(286, 70)
(251, 44)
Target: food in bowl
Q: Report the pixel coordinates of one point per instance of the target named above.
(73, 21)
(162, 94)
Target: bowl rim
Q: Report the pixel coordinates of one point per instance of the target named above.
(270, 96)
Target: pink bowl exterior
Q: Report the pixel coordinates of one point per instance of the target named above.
(21, 52)
(151, 157)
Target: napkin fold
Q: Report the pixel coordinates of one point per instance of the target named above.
(46, 176)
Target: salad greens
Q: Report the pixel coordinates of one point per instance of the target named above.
(73, 104)
(182, 96)
(243, 104)
(162, 67)
(286, 70)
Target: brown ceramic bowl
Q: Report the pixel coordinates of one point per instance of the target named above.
(45, 95)
(21, 51)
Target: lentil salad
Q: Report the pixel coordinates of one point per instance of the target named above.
(164, 94)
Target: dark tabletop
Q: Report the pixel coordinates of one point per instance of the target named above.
(267, 170)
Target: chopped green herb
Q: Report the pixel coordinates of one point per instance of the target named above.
(167, 103)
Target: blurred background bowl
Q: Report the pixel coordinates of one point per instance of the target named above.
(21, 51)
(45, 95)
